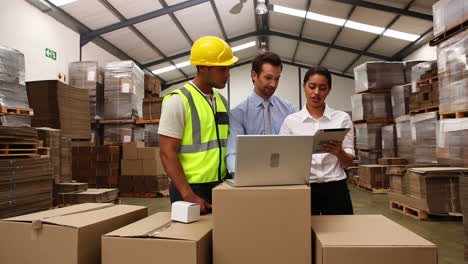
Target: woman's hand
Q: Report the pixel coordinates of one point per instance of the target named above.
(333, 147)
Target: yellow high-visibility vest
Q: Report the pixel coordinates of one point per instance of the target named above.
(203, 146)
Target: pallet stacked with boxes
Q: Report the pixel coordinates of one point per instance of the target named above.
(451, 38)
(123, 100)
(26, 178)
(142, 171)
(14, 105)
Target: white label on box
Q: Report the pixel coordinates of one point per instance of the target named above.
(125, 88)
(127, 138)
(134, 89)
(413, 132)
(91, 76)
(398, 132)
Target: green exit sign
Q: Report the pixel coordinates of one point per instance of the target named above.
(50, 54)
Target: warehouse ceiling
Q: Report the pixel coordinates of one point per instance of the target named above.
(338, 34)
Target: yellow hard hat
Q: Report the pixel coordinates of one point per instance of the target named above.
(212, 51)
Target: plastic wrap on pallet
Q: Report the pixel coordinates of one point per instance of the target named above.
(123, 90)
(404, 142)
(369, 157)
(119, 133)
(151, 135)
(12, 85)
(452, 142)
(422, 71)
(408, 67)
(88, 75)
(369, 135)
(400, 97)
(423, 133)
(15, 120)
(139, 134)
(378, 75)
(368, 106)
(453, 73)
(448, 14)
(388, 141)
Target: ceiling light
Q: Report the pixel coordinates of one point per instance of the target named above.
(187, 63)
(364, 27)
(61, 2)
(261, 8)
(345, 23)
(400, 35)
(244, 46)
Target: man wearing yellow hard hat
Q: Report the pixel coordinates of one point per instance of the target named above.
(194, 126)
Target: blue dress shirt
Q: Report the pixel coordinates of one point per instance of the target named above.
(247, 119)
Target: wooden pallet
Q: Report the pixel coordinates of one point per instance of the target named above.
(43, 151)
(164, 193)
(18, 148)
(390, 120)
(427, 81)
(147, 121)
(449, 33)
(372, 190)
(420, 214)
(455, 114)
(8, 110)
(123, 121)
(424, 110)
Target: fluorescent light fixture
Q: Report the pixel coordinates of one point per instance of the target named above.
(364, 27)
(343, 22)
(400, 35)
(244, 46)
(165, 69)
(326, 19)
(187, 63)
(61, 2)
(289, 11)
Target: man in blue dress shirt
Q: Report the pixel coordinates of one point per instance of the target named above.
(262, 112)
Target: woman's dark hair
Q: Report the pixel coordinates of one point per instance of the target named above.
(318, 70)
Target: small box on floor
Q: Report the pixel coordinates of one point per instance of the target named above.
(69, 235)
(261, 224)
(366, 239)
(156, 238)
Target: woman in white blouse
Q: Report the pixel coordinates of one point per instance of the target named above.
(329, 191)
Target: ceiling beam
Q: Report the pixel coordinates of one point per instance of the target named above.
(164, 11)
(307, 7)
(137, 32)
(350, 13)
(177, 23)
(278, 34)
(395, 19)
(423, 40)
(218, 19)
(386, 8)
(300, 65)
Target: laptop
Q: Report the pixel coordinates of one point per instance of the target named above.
(265, 160)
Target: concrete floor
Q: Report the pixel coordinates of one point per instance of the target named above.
(447, 234)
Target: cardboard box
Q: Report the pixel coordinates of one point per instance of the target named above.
(150, 168)
(185, 212)
(130, 150)
(373, 176)
(132, 167)
(367, 239)
(147, 153)
(175, 243)
(261, 224)
(69, 235)
(89, 196)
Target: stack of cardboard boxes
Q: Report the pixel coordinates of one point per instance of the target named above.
(88, 75)
(424, 86)
(58, 105)
(372, 105)
(152, 102)
(99, 166)
(423, 135)
(142, 170)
